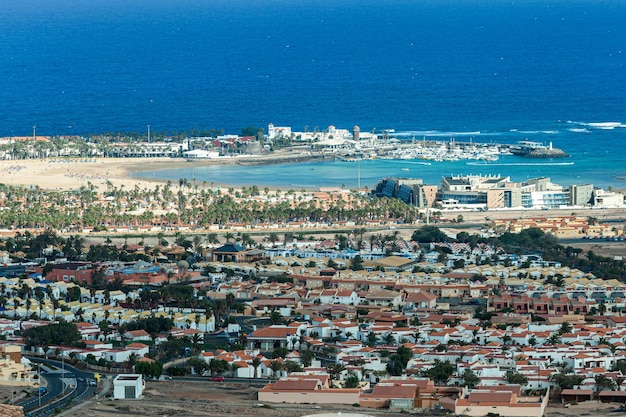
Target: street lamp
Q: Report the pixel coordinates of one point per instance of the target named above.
(63, 372)
(13, 376)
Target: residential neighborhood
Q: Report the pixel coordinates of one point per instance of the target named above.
(398, 324)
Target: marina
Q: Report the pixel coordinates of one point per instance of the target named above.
(344, 162)
(427, 152)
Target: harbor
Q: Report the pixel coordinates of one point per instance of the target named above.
(452, 150)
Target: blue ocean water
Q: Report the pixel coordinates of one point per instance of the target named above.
(493, 70)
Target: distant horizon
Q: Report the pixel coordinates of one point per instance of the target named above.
(81, 67)
(489, 71)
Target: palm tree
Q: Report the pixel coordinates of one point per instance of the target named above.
(197, 245)
(196, 339)
(122, 330)
(272, 237)
(230, 301)
(276, 365)
(218, 310)
(554, 339)
(233, 369)
(334, 371)
(256, 362)
(390, 339)
(131, 361)
(602, 341)
(604, 383)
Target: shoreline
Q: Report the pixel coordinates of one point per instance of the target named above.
(243, 161)
(64, 174)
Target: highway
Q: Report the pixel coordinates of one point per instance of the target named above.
(58, 376)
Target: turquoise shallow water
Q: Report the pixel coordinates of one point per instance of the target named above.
(602, 167)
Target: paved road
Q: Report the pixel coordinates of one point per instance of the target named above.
(65, 384)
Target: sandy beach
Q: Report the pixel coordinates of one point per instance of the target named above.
(68, 174)
(73, 173)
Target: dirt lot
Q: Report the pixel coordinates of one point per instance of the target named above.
(187, 399)
(588, 409)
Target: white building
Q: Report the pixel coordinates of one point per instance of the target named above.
(201, 154)
(276, 131)
(603, 198)
(128, 386)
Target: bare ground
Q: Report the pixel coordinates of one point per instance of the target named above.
(187, 399)
(587, 409)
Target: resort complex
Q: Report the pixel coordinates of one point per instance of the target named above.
(495, 192)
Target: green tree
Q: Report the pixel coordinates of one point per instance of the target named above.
(470, 379)
(276, 318)
(440, 372)
(276, 366)
(428, 234)
(63, 333)
(357, 263)
(149, 369)
(307, 357)
(352, 381)
(565, 381)
(256, 362)
(132, 360)
(198, 365)
(280, 352)
(565, 328)
(604, 383)
(516, 378)
(334, 371)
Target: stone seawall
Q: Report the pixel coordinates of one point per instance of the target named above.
(546, 153)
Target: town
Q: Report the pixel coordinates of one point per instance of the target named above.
(480, 296)
(253, 142)
(366, 318)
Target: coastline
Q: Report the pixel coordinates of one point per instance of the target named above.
(70, 174)
(63, 174)
(280, 157)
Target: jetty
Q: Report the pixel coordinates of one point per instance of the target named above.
(537, 150)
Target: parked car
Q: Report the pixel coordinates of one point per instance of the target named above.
(219, 378)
